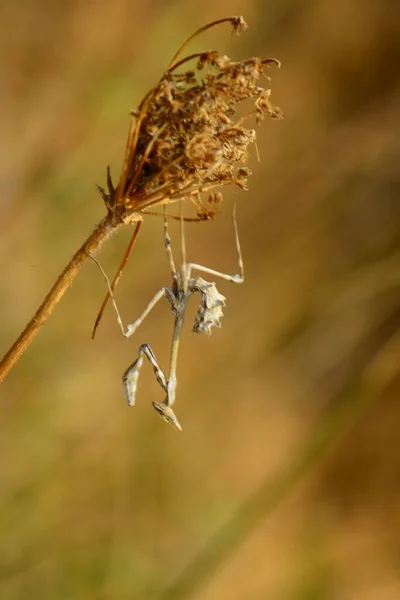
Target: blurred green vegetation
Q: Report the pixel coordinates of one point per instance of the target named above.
(285, 481)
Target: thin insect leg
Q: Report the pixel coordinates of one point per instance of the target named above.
(167, 244)
(118, 275)
(133, 326)
(130, 381)
(131, 375)
(130, 330)
(238, 278)
(183, 252)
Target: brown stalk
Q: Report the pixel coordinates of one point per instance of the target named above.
(118, 274)
(238, 26)
(103, 230)
(181, 144)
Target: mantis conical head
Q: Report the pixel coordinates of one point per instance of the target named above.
(167, 414)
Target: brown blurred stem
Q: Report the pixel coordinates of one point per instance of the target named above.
(102, 231)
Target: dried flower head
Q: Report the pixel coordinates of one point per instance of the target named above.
(186, 137)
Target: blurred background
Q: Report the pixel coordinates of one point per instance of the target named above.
(285, 482)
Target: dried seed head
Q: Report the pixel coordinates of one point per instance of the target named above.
(239, 25)
(204, 152)
(186, 136)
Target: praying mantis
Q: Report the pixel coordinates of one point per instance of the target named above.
(183, 286)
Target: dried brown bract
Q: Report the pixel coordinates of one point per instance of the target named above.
(186, 137)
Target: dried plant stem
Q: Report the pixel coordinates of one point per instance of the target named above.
(102, 231)
(178, 53)
(118, 275)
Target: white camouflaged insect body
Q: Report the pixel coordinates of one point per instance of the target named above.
(208, 316)
(210, 309)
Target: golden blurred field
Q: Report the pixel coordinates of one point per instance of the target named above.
(285, 482)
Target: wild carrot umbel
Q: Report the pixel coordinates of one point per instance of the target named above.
(185, 140)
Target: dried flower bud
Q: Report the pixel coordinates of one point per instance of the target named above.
(239, 25)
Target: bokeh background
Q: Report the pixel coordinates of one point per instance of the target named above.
(285, 482)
